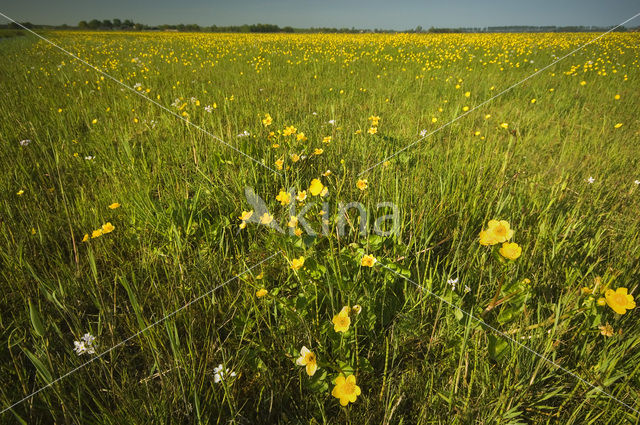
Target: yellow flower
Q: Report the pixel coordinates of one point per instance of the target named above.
(298, 231)
(85, 238)
(326, 139)
(279, 164)
(374, 120)
(346, 389)
(293, 222)
(267, 120)
(510, 250)
(504, 125)
(308, 358)
(616, 97)
(619, 300)
(295, 157)
(261, 293)
(246, 215)
(297, 263)
(583, 83)
(533, 101)
(20, 192)
(283, 197)
(242, 225)
(96, 233)
(618, 125)
(114, 206)
(358, 132)
(301, 137)
(434, 120)
(606, 330)
(301, 196)
(362, 184)
(341, 322)
(316, 187)
(586, 291)
(368, 261)
(95, 120)
(372, 130)
(289, 130)
(107, 228)
(500, 230)
(465, 108)
(601, 301)
(318, 151)
(467, 94)
(266, 218)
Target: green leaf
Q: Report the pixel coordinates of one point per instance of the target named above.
(497, 347)
(40, 367)
(38, 327)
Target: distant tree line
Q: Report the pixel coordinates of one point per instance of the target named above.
(521, 28)
(129, 25)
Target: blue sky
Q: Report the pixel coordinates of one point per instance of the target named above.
(388, 14)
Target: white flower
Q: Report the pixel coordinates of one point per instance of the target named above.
(85, 345)
(136, 85)
(220, 373)
(89, 157)
(453, 283)
(467, 288)
(176, 103)
(314, 113)
(208, 108)
(423, 133)
(636, 181)
(244, 134)
(25, 142)
(591, 180)
(332, 122)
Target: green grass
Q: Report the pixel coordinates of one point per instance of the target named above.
(176, 233)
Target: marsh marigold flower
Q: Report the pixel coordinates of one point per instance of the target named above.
(283, 197)
(500, 231)
(279, 163)
(107, 228)
(114, 206)
(510, 250)
(316, 187)
(308, 359)
(362, 184)
(261, 293)
(619, 300)
(297, 263)
(368, 261)
(341, 321)
(266, 218)
(346, 389)
(372, 130)
(267, 120)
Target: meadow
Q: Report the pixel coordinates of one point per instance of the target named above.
(504, 295)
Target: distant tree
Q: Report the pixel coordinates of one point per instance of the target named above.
(128, 23)
(107, 24)
(83, 24)
(419, 28)
(94, 24)
(138, 26)
(117, 23)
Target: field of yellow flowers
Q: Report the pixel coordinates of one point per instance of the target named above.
(235, 228)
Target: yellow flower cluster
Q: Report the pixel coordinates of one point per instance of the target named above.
(499, 231)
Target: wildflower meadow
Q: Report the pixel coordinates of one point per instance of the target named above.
(319, 228)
